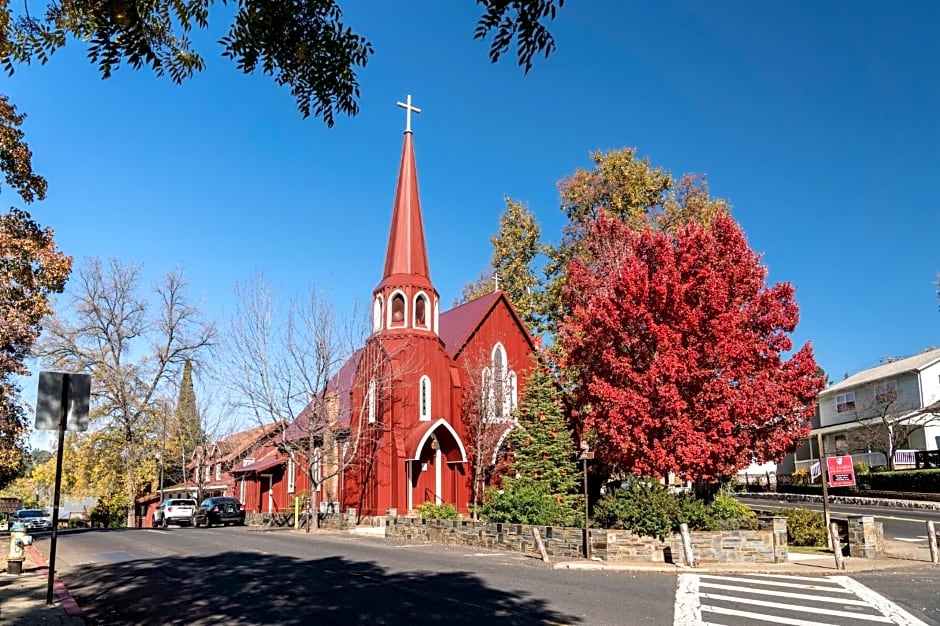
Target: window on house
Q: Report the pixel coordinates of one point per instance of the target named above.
(845, 402)
(842, 445)
(207, 473)
(425, 399)
(291, 475)
(218, 471)
(398, 311)
(371, 401)
(886, 392)
(421, 311)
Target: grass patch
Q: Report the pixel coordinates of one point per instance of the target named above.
(809, 549)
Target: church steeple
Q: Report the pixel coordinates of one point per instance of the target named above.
(406, 300)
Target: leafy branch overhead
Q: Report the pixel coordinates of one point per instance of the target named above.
(303, 44)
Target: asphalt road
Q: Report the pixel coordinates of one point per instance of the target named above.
(248, 577)
(898, 522)
(238, 576)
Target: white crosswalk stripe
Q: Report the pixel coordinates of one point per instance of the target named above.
(710, 600)
(911, 539)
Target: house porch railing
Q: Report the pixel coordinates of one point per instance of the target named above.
(905, 457)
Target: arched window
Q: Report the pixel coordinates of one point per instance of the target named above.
(397, 311)
(424, 406)
(499, 382)
(371, 401)
(500, 387)
(377, 314)
(421, 311)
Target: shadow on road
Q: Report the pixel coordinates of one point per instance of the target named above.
(251, 588)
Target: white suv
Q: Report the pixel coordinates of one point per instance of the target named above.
(177, 511)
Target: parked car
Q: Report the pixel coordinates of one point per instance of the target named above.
(177, 511)
(34, 519)
(223, 510)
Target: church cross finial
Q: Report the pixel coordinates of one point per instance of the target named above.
(406, 105)
(496, 280)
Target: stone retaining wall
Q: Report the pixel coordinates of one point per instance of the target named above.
(766, 545)
(285, 519)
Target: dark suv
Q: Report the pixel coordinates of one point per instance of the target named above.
(219, 510)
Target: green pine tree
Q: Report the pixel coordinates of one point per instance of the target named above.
(544, 486)
(541, 444)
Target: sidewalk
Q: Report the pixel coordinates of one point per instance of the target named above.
(897, 555)
(23, 597)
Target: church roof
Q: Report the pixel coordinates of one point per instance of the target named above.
(407, 253)
(458, 324)
(342, 385)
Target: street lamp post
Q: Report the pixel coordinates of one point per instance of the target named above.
(586, 455)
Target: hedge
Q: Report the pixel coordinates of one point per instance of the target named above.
(915, 481)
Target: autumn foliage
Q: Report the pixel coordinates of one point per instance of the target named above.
(676, 347)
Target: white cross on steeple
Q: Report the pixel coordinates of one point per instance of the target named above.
(496, 280)
(406, 105)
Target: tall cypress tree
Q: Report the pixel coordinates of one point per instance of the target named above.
(187, 417)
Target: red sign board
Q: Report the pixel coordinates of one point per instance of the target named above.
(841, 471)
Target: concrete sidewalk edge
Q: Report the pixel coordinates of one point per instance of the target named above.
(61, 592)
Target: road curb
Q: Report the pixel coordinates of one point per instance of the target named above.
(58, 587)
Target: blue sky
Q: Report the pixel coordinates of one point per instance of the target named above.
(818, 121)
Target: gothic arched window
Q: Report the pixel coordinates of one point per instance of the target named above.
(424, 406)
(397, 311)
(421, 311)
(377, 314)
(371, 401)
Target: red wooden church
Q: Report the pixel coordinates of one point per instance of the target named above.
(406, 415)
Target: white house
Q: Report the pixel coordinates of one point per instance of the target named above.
(891, 410)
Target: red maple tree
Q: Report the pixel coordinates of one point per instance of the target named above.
(676, 347)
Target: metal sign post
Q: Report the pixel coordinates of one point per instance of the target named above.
(62, 400)
(824, 477)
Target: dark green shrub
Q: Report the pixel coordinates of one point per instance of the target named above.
(646, 508)
(917, 481)
(77, 522)
(696, 513)
(805, 527)
(430, 510)
(524, 501)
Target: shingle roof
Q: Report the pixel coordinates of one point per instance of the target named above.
(457, 324)
(910, 364)
(235, 444)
